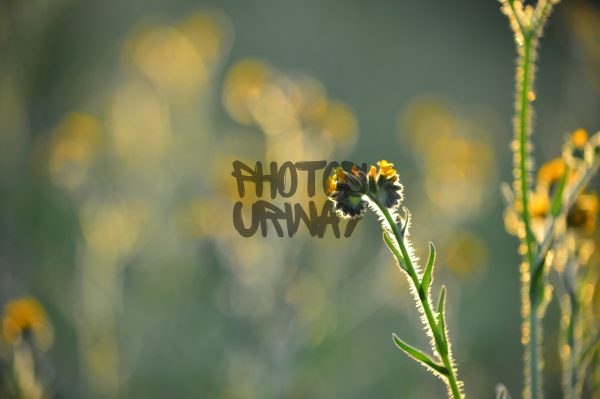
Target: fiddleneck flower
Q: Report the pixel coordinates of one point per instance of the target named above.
(351, 191)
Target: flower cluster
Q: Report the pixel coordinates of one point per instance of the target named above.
(352, 190)
(580, 154)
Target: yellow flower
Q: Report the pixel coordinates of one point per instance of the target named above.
(539, 205)
(340, 175)
(579, 138)
(373, 171)
(551, 172)
(331, 184)
(21, 315)
(386, 169)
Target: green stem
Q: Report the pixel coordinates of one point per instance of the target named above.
(574, 362)
(528, 27)
(533, 371)
(442, 348)
(531, 332)
(523, 127)
(570, 372)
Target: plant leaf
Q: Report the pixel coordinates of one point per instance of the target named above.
(406, 222)
(557, 200)
(390, 243)
(441, 322)
(428, 275)
(441, 303)
(419, 356)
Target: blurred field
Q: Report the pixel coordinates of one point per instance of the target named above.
(119, 123)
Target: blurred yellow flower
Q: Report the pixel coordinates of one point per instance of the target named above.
(140, 126)
(464, 253)
(309, 98)
(113, 230)
(74, 146)
(551, 172)
(454, 146)
(168, 58)
(209, 32)
(339, 122)
(244, 85)
(539, 204)
(579, 138)
(293, 111)
(23, 315)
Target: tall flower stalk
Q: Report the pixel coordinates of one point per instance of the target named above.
(353, 192)
(550, 218)
(527, 23)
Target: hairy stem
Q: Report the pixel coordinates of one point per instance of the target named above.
(531, 280)
(441, 347)
(526, 66)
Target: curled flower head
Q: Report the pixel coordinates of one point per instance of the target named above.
(346, 190)
(584, 212)
(387, 187)
(352, 190)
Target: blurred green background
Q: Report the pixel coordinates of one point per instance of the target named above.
(118, 125)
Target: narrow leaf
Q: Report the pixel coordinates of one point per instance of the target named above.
(427, 276)
(441, 322)
(442, 301)
(390, 243)
(557, 200)
(406, 222)
(536, 286)
(419, 356)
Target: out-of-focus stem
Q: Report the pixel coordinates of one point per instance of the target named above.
(531, 332)
(571, 350)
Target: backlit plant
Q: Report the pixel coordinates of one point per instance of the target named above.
(353, 192)
(553, 215)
